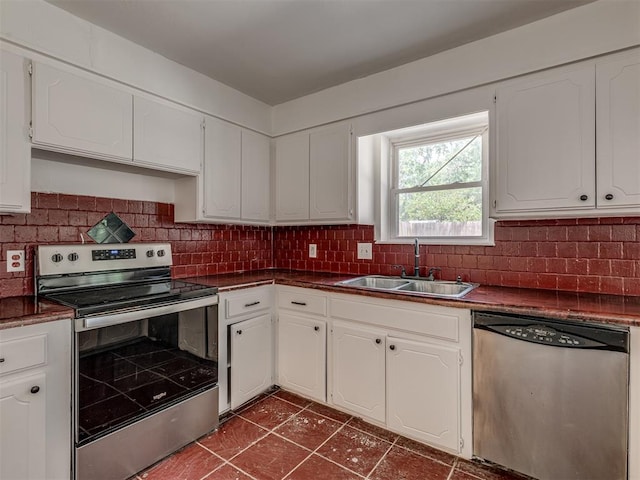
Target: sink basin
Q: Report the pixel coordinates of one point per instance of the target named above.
(376, 282)
(440, 288)
(430, 288)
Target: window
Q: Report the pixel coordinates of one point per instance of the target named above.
(438, 183)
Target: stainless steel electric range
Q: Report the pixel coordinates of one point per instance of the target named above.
(145, 353)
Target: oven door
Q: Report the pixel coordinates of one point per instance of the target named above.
(128, 372)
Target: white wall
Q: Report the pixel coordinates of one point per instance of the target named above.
(593, 29)
(49, 30)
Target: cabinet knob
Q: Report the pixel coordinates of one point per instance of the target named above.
(239, 332)
(35, 389)
(316, 328)
(378, 341)
(609, 196)
(392, 347)
(1, 360)
(584, 198)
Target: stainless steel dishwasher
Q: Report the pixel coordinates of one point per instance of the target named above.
(551, 399)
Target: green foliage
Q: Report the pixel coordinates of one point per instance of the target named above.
(417, 164)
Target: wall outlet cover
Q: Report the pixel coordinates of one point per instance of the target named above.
(15, 260)
(365, 251)
(313, 250)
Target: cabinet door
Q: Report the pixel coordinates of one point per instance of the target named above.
(302, 355)
(329, 173)
(618, 130)
(546, 142)
(256, 177)
(15, 149)
(292, 178)
(81, 115)
(359, 370)
(23, 432)
(251, 358)
(222, 169)
(166, 136)
(423, 391)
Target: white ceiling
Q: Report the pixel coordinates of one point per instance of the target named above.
(279, 50)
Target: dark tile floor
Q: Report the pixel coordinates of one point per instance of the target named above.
(281, 436)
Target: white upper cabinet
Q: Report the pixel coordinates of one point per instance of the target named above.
(166, 136)
(256, 177)
(329, 173)
(618, 130)
(80, 113)
(313, 176)
(546, 141)
(222, 169)
(15, 148)
(292, 178)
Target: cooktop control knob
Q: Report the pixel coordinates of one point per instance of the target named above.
(161, 253)
(56, 258)
(72, 257)
(150, 253)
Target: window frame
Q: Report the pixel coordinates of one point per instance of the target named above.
(443, 131)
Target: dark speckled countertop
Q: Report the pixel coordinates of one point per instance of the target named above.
(611, 309)
(22, 311)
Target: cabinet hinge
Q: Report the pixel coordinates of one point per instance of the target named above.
(460, 359)
(30, 130)
(30, 69)
(461, 443)
(203, 125)
(495, 99)
(495, 203)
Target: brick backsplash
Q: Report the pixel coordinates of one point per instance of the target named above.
(599, 255)
(198, 249)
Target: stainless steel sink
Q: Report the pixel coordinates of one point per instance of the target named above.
(430, 288)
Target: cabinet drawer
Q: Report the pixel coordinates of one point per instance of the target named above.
(22, 353)
(303, 302)
(253, 301)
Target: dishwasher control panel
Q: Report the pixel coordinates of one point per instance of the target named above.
(546, 335)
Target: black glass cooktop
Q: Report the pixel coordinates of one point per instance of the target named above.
(110, 298)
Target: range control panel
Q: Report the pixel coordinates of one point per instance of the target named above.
(545, 335)
(65, 259)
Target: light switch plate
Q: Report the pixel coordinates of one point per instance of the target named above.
(365, 251)
(15, 260)
(313, 250)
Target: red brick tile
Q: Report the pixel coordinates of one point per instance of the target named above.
(232, 437)
(623, 233)
(568, 282)
(356, 450)
(599, 267)
(401, 463)
(567, 249)
(270, 458)
(308, 429)
(599, 233)
(47, 235)
(612, 285)
(192, 463)
(68, 202)
(47, 200)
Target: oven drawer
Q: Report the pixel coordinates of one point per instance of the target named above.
(22, 353)
(255, 300)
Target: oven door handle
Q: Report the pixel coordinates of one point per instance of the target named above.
(99, 321)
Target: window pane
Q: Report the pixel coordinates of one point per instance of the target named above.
(442, 213)
(416, 164)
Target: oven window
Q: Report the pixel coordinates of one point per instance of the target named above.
(132, 370)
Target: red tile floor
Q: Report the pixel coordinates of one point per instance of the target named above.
(281, 436)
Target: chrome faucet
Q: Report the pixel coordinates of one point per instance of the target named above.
(416, 259)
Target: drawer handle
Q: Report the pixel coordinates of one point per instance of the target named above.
(239, 332)
(302, 304)
(392, 347)
(252, 304)
(316, 328)
(35, 389)
(378, 341)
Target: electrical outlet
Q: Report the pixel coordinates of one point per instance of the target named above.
(15, 260)
(313, 250)
(365, 251)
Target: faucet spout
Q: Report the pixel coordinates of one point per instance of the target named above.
(416, 253)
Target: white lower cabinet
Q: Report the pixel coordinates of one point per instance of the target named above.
(245, 345)
(251, 358)
(35, 401)
(302, 355)
(423, 391)
(359, 369)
